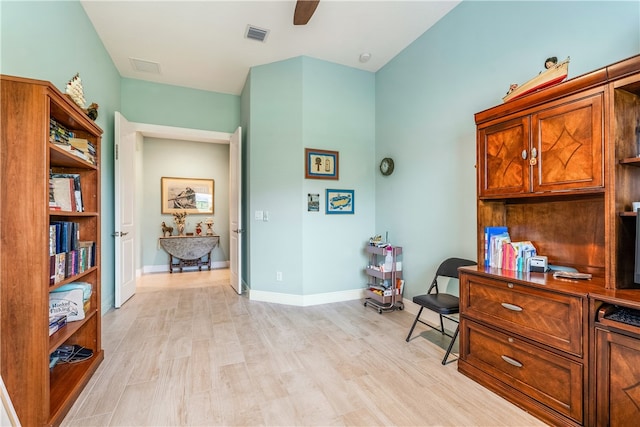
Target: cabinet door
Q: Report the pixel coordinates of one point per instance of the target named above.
(502, 170)
(617, 379)
(569, 143)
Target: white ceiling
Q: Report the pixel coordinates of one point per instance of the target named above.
(201, 44)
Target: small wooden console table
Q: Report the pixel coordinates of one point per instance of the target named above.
(189, 251)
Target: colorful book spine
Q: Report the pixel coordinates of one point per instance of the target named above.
(490, 232)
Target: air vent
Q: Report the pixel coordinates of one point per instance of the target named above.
(145, 66)
(255, 33)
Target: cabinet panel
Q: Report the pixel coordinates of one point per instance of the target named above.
(618, 379)
(569, 141)
(501, 167)
(553, 380)
(550, 318)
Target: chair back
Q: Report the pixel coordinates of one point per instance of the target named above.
(449, 268)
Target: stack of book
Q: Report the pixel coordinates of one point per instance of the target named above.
(59, 134)
(56, 322)
(66, 139)
(501, 252)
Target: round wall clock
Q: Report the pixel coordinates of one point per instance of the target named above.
(386, 166)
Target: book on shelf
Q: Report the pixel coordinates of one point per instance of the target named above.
(65, 139)
(69, 303)
(88, 251)
(67, 191)
(64, 194)
(68, 255)
(60, 267)
(56, 322)
(502, 253)
(489, 233)
(58, 134)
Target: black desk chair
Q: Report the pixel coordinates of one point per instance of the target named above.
(442, 303)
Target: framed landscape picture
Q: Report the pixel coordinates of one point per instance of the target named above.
(340, 201)
(190, 195)
(320, 164)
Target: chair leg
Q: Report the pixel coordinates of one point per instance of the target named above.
(414, 324)
(442, 325)
(453, 340)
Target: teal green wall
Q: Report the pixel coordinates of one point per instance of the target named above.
(147, 102)
(426, 98)
(306, 103)
(53, 41)
(338, 113)
(275, 181)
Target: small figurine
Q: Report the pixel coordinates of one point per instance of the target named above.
(209, 222)
(199, 228)
(166, 230)
(92, 111)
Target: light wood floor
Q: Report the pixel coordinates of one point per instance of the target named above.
(187, 351)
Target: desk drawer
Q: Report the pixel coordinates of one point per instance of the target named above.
(550, 318)
(553, 380)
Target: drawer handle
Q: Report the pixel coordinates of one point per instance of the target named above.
(511, 361)
(511, 307)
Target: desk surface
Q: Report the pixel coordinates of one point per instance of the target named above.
(189, 247)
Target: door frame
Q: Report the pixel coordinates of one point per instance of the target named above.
(173, 133)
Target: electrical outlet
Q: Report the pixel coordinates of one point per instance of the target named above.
(259, 215)
(279, 276)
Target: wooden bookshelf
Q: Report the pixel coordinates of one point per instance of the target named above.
(40, 395)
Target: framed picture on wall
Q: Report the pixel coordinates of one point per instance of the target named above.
(190, 195)
(320, 164)
(340, 201)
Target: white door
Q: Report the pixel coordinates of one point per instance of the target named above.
(235, 209)
(124, 186)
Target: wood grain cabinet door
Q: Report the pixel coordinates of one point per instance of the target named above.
(503, 166)
(568, 142)
(617, 379)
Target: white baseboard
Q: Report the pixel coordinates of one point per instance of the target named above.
(305, 300)
(165, 268)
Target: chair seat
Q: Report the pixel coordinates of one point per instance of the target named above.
(440, 303)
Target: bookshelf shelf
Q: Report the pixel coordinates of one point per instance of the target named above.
(63, 334)
(28, 110)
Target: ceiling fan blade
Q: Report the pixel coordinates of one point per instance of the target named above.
(304, 11)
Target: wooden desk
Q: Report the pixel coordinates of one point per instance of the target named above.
(189, 251)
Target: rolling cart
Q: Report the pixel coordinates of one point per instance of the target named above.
(384, 288)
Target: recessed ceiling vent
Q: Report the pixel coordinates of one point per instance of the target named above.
(145, 66)
(255, 33)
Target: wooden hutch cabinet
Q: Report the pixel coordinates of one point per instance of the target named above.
(42, 394)
(554, 147)
(559, 168)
